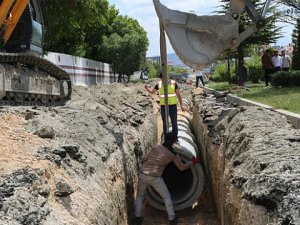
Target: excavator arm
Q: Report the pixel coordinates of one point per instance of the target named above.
(10, 14)
(200, 40)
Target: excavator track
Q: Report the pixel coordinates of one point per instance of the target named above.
(33, 81)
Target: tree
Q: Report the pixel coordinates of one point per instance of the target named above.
(75, 26)
(95, 30)
(153, 67)
(296, 45)
(124, 46)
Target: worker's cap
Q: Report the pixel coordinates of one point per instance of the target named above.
(170, 137)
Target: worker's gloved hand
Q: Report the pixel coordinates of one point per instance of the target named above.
(195, 160)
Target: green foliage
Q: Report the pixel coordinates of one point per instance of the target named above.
(295, 78)
(286, 78)
(154, 69)
(255, 70)
(221, 73)
(74, 27)
(176, 70)
(125, 46)
(221, 86)
(95, 30)
(296, 61)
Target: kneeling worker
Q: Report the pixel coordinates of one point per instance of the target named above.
(153, 166)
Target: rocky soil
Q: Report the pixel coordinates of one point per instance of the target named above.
(253, 157)
(74, 164)
(78, 164)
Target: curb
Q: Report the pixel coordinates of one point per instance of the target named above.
(292, 117)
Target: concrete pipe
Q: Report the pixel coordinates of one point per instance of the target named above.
(185, 186)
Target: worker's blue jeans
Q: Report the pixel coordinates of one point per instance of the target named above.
(160, 187)
(173, 117)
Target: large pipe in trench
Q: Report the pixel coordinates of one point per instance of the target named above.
(185, 186)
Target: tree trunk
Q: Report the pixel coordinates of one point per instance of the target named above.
(115, 79)
(235, 80)
(228, 70)
(241, 77)
(120, 78)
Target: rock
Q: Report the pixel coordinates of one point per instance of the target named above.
(45, 132)
(6, 191)
(101, 120)
(60, 151)
(232, 114)
(73, 151)
(44, 191)
(28, 115)
(63, 189)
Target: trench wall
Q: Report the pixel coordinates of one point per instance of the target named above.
(87, 173)
(251, 160)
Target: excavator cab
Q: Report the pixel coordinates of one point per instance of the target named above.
(200, 40)
(21, 26)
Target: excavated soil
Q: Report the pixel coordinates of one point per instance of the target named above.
(77, 164)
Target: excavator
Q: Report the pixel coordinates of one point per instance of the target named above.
(25, 76)
(200, 40)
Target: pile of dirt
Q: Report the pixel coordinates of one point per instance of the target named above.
(75, 164)
(253, 157)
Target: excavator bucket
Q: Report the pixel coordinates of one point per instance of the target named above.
(200, 40)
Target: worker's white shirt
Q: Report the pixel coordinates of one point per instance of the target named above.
(199, 73)
(277, 61)
(286, 61)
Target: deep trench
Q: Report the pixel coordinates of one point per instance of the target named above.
(190, 190)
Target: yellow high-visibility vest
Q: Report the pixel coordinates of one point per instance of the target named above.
(172, 98)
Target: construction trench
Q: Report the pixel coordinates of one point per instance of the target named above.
(78, 164)
(233, 197)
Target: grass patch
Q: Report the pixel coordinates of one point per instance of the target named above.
(287, 98)
(221, 86)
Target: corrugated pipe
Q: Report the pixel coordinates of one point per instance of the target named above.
(185, 186)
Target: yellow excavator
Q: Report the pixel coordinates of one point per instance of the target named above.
(34, 80)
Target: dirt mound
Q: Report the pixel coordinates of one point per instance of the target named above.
(74, 164)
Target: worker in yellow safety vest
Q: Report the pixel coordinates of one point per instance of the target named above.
(173, 95)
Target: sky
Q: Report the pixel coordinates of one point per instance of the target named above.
(143, 11)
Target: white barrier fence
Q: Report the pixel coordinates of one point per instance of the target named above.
(83, 71)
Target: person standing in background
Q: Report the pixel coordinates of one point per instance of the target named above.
(277, 61)
(199, 76)
(267, 65)
(286, 61)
